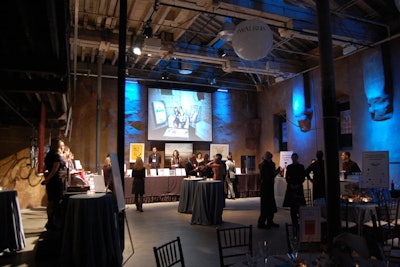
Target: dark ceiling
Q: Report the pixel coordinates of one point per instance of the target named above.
(42, 51)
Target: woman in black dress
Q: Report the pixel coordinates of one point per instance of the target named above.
(294, 196)
(138, 183)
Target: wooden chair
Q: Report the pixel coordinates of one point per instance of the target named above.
(292, 233)
(169, 254)
(387, 240)
(387, 213)
(234, 244)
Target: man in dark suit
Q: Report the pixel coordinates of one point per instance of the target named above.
(267, 194)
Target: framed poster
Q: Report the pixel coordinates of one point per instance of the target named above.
(136, 150)
(222, 149)
(185, 152)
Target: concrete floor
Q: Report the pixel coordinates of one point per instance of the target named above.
(160, 223)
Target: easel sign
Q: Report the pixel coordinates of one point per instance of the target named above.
(118, 189)
(310, 224)
(285, 158)
(375, 170)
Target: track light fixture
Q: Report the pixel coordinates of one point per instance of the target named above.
(221, 52)
(165, 75)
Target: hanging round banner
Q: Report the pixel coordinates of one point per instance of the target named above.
(252, 39)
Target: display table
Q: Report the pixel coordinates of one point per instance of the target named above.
(208, 203)
(157, 188)
(12, 235)
(187, 194)
(91, 236)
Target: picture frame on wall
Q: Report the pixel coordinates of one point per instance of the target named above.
(222, 149)
(136, 150)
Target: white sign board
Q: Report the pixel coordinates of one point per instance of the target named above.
(375, 170)
(285, 158)
(310, 224)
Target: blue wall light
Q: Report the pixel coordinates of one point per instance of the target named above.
(302, 115)
(380, 104)
(134, 109)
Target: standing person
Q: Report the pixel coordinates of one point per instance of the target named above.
(69, 157)
(155, 159)
(107, 173)
(317, 167)
(230, 177)
(206, 171)
(348, 165)
(294, 196)
(138, 174)
(175, 160)
(217, 167)
(190, 168)
(54, 170)
(267, 194)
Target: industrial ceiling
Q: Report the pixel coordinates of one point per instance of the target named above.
(47, 44)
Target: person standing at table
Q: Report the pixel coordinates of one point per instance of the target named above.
(348, 165)
(267, 195)
(230, 177)
(175, 159)
(155, 159)
(217, 167)
(294, 196)
(138, 174)
(107, 173)
(55, 168)
(189, 166)
(318, 180)
(206, 171)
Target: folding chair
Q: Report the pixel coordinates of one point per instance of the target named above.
(234, 243)
(169, 254)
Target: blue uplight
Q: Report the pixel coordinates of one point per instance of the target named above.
(222, 108)
(132, 91)
(133, 108)
(298, 101)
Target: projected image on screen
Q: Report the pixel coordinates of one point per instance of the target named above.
(179, 115)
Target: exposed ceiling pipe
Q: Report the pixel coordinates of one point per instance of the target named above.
(76, 21)
(243, 87)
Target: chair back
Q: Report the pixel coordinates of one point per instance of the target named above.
(233, 243)
(388, 213)
(169, 254)
(292, 233)
(348, 222)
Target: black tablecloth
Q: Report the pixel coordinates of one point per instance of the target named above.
(157, 188)
(187, 194)
(11, 231)
(208, 203)
(91, 236)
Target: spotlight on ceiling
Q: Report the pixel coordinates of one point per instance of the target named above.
(165, 75)
(221, 52)
(147, 32)
(137, 50)
(227, 30)
(212, 80)
(185, 68)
